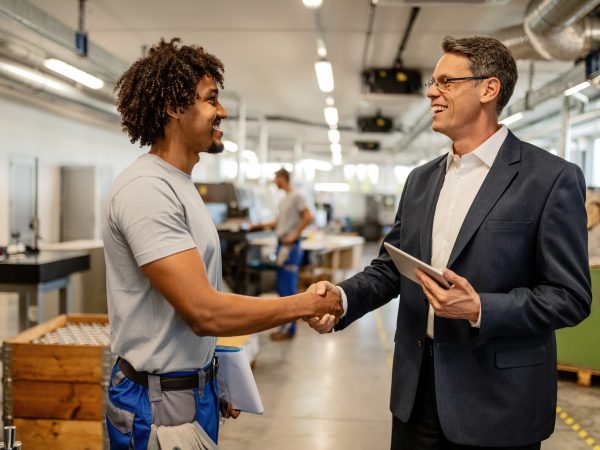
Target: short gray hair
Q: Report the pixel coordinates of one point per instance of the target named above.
(488, 57)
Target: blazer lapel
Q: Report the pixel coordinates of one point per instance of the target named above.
(434, 186)
(497, 180)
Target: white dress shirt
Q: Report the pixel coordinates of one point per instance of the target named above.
(464, 177)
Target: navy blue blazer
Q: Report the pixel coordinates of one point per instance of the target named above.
(523, 247)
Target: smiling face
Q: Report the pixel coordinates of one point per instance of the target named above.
(201, 122)
(455, 110)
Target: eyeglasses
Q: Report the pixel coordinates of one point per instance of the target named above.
(445, 84)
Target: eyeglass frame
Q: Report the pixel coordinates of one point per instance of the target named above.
(431, 82)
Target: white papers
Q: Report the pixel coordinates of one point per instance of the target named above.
(236, 381)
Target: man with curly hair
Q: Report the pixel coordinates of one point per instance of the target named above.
(163, 260)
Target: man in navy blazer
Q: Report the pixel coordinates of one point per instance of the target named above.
(475, 365)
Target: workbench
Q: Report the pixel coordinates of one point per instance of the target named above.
(33, 275)
(333, 257)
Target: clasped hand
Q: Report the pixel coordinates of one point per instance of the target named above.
(325, 323)
(460, 301)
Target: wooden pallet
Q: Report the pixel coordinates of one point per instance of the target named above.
(584, 375)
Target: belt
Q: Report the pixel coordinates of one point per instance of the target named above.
(171, 383)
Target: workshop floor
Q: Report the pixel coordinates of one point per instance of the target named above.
(332, 392)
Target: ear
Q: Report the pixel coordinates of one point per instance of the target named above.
(175, 112)
(490, 89)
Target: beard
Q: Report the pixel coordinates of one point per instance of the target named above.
(216, 148)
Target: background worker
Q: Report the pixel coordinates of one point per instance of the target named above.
(163, 260)
(293, 217)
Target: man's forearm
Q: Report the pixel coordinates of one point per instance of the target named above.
(236, 315)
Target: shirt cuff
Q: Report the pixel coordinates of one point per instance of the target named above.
(344, 301)
(475, 324)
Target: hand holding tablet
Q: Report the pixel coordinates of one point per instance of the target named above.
(407, 264)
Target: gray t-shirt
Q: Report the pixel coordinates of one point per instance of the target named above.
(290, 213)
(154, 211)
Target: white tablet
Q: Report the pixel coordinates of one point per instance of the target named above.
(406, 265)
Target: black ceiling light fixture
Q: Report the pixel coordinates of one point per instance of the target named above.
(396, 79)
(368, 145)
(375, 124)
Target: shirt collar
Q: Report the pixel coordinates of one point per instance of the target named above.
(488, 150)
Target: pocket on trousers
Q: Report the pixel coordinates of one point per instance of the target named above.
(507, 358)
(119, 424)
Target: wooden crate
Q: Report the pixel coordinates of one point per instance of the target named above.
(54, 393)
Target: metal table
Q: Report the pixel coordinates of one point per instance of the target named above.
(32, 275)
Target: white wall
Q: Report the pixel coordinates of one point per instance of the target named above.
(58, 137)
(32, 129)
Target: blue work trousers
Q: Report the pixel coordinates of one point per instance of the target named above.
(287, 277)
(129, 412)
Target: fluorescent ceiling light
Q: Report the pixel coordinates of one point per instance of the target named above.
(332, 187)
(334, 136)
(579, 87)
(331, 115)
(336, 159)
(335, 148)
(74, 73)
(329, 101)
(230, 146)
(34, 77)
(321, 49)
(312, 4)
(324, 75)
(512, 119)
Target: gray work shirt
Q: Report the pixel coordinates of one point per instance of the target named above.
(154, 211)
(290, 213)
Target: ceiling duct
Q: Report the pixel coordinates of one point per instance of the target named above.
(26, 79)
(553, 30)
(30, 17)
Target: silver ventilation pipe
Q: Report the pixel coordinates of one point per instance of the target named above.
(553, 30)
(26, 79)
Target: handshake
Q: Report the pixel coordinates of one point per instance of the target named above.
(328, 306)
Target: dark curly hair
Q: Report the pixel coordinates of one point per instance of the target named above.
(166, 77)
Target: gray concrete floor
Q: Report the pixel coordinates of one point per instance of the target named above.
(332, 392)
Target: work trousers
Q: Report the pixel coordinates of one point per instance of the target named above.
(423, 430)
(132, 408)
(287, 276)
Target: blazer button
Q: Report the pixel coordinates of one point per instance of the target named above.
(419, 343)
